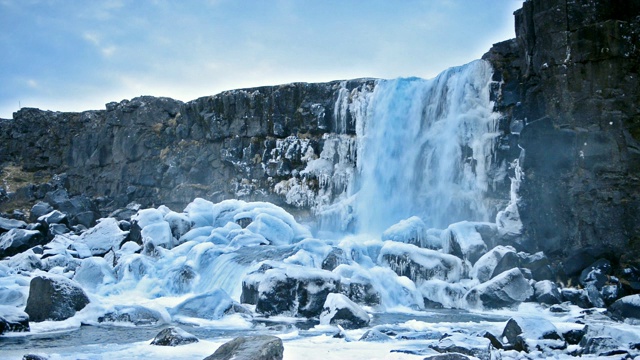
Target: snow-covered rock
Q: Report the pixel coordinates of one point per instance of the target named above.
(17, 240)
(103, 237)
(410, 231)
(173, 336)
(494, 262)
(442, 294)
(626, 307)
(134, 314)
(54, 298)
(505, 290)
(463, 344)
(463, 240)
(13, 319)
(374, 335)
(339, 310)
(154, 229)
(275, 230)
(532, 333)
(8, 224)
(180, 224)
(546, 292)
(420, 264)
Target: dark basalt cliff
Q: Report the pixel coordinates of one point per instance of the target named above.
(570, 89)
(567, 86)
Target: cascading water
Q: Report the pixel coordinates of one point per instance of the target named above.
(425, 148)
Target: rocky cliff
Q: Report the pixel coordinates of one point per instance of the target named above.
(571, 98)
(567, 86)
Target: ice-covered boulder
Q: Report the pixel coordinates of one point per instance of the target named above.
(10, 296)
(17, 240)
(420, 264)
(54, 298)
(260, 347)
(577, 297)
(103, 237)
(626, 307)
(39, 209)
(94, 272)
(335, 258)
(546, 292)
(596, 274)
(154, 229)
(539, 265)
(13, 319)
(410, 231)
(53, 217)
(505, 290)
(134, 314)
(276, 231)
(339, 310)
(532, 333)
(173, 336)
(293, 291)
(494, 262)
(179, 223)
(8, 224)
(468, 345)
(374, 335)
(463, 240)
(212, 305)
(442, 294)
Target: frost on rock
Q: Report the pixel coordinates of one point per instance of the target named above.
(494, 262)
(103, 237)
(420, 264)
(411, 231)
(505, 290)
(339, 310)
(463, 240)
(442, 294)
(53, 297)
(212, 305)
(155, 230)
(135, 314)
(94, 272)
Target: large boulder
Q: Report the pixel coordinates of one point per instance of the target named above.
(528, 333)
(546, 292)
(467, 345)
(411, 231)
(103, 237)
(173, 336)
(54, 298)
(420, 264)
(339, 310)
(494, 262)
(505, 290)
(261, 347)
(463, 240)
(134, 314)
(596, 274)
(8, 224)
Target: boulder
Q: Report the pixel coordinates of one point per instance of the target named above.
(34, 357)
(103, 237)
(16, 241)
(212, 305)
(626, 307)
(10, 296)
(463, 240)
(335, 258)
(602, 346)
(94, 272)
(13, 319)
(293, 291)
(134, 314)
(532, 333)
(410, 231)
(39, 209)
(467, 345)
(577, 297)
(261, 347)
(420, 264)
(173, 336)
(596, 274)
(494, 262)
(539, 265)
(54, 298)
(53, 217)
(611, 293)
(360, 292)
(546, 292)
(80, 209)
(339, 310)
(8, 224)
(573, 336)
(505, 290)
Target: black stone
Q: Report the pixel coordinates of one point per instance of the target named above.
(54, 299)
(261, 347)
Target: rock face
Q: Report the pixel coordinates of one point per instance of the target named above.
(570, 96)
(262, 347)
(54, 298)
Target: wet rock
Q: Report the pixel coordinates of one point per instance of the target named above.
(626, 307)
(546, 292)
(339, 310)
(360, 292)
(212, 305)
(505, 290)
(173, 336)
(54, 298)
(134, 314)
(13, 319)
(16, 241)
(335, 258)
(262, 347)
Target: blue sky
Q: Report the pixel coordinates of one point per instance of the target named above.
(74, 55)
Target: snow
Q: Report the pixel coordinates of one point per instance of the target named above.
(438, 265)
(411, 230)
(103, 237)
(336, 302)
(93, 272)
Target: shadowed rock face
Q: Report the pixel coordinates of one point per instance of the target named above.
(571, 78)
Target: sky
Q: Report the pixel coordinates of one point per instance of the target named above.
(74, 55)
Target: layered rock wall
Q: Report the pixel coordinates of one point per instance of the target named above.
(571, 98)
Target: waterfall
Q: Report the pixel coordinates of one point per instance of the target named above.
(425, 148)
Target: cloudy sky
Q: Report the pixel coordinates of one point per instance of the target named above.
(73, 55)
